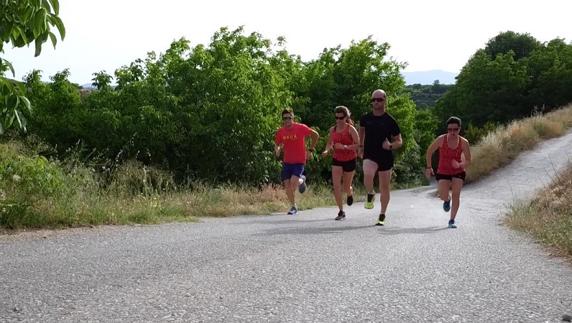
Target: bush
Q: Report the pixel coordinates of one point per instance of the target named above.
(32, 176)
(31, 185)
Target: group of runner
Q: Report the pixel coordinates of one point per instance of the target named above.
(378, 136)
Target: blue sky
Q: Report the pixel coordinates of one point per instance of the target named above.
(427, 35)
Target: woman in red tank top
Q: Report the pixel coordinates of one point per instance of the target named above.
(454, 158)
(343, 141)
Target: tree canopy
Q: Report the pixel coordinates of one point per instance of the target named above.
(512, 77)
(23, 22)
(210, 111)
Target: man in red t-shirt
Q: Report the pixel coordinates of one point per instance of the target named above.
(290, 139)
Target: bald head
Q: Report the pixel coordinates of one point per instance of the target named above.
(378, 101)
(378, 94)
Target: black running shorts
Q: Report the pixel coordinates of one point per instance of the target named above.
(450, 177)
(347, 166)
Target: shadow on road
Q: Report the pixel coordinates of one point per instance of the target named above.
(340, 229)
(311, 230)
(395, 231)
(292, 220)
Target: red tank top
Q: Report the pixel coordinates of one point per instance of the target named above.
(446, 156)
(344, 138)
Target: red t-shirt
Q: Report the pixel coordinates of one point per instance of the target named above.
(344, 138)
(293, 140)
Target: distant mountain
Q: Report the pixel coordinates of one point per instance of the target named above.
(428, 77)
(88, 86)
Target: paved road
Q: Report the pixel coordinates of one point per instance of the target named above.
(303, 268)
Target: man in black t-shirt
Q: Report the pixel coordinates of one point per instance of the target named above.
(379, 135)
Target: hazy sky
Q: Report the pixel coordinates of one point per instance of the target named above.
(438, 34)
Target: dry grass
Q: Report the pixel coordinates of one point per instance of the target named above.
(501, 146)
(40, 193)
(548, 217)
(86, 208)
(233, 200)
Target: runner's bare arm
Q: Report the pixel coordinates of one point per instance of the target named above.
(396, 142)
(314, 135)
(429, 154)
(278, 149)
(467, 153)
(355, 138)
(329, 144)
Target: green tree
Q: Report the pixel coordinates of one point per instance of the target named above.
(522, 45)
(550, 74)
(232, 99)
(23, 22)
(58, 115)
(210, 112)
(487, 89)
(102, 81)
(512, 77)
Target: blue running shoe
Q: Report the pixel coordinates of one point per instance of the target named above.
(447, 205)
(452, 224)
(302, 186)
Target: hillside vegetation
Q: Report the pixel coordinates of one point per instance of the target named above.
(505, 143)
(426, 96)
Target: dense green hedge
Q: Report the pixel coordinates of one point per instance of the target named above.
(210, 112)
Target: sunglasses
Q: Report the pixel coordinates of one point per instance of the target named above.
(452, 129)
(340, 118)
(286, 118)
(377, 99)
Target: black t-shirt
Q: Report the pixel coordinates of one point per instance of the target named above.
(377, 129)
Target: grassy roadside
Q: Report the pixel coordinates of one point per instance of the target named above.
(548, 217)
(501, 146)
(99, 208)
(39, 193)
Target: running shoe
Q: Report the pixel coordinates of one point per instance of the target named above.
(452, 224)
(447, 205)
(341, 216)
(350, 200)
(302, 185)
(369, 203)
(293, 210)
(381, 220)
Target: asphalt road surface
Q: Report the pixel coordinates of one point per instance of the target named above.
(306, 267)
